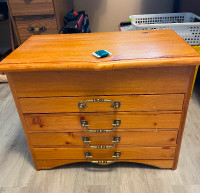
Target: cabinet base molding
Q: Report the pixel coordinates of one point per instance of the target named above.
(49, 164)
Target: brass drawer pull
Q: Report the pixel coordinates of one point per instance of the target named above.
(37, 29)
(87, 141)
(116, 123)
(114, 104)
(116, 155)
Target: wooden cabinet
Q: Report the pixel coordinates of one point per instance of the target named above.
(36, 22)
(37, 17)
(130, 106)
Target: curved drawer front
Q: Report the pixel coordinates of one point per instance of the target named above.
(160, 138)
(126, 103)
(105, 154)
(129, 121)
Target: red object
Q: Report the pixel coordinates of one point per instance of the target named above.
(120, 29)
(75, 13)
(80, 21)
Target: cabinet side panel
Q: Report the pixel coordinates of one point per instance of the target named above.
(184, 114)
(12, 87)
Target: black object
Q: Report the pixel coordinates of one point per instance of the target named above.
(122, 24)
(77, 24)
(196, 20)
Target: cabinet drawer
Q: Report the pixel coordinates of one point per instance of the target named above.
(108, 82)
(126, 153)
(160, 138)
(31, 7)
(172, 102)
(129, 121)
(41, 24)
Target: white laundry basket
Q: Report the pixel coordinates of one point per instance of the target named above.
(187, 25)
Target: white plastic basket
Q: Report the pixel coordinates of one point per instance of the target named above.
(182, 23)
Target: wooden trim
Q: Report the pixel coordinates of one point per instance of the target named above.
(12, 39)
(184, 114)
(11, 84)
(104, 113)
(13, 23)
(119, 130)
(96, 66)
(49, 164)
(55, 16)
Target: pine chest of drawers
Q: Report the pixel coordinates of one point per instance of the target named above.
(129, 107)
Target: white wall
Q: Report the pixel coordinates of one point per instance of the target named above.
(105, 15)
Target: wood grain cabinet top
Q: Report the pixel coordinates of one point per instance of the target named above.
(74, 52)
